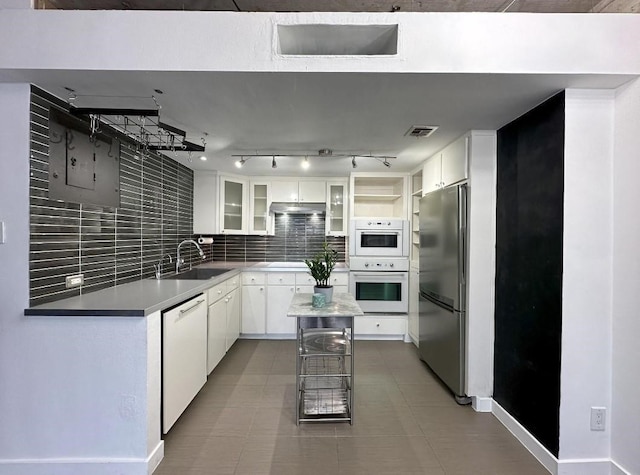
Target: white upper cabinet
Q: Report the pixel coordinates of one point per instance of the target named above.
(260, 221)
(336, 208)
(432, 173)
(299, 191)
(379, 195)
(313, 191)
(233, 197)
(446, 167)
(205, 203)
(454, 161)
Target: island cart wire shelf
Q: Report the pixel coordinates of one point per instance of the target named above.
(324, 374)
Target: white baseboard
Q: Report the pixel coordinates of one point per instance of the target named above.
(114, 466)
(546, 458)
(481, 404)
(618, 470)
(584, 467)
(156, 456)
(540, 452)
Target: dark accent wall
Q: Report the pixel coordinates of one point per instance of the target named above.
(109, 245)
(297, 237)
(528, 318)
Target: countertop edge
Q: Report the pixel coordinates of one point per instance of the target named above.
(98, 304)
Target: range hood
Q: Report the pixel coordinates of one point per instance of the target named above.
(298, 208)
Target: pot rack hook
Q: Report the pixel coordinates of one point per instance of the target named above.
(94, 125)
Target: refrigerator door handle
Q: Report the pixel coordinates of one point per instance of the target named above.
(462, 243)
(437, 302)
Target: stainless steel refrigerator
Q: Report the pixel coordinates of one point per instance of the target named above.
(443, 241)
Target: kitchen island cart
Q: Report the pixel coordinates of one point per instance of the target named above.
(324, 359)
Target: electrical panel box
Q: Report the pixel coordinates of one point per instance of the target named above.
(82, 168)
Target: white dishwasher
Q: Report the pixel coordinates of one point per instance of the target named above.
(184, 357)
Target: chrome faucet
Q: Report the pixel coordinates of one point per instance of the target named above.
(180, 260)
(158, 266)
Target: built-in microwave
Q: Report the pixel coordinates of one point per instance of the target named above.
(375, 237)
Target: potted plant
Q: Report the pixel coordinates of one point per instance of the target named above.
(320, 267)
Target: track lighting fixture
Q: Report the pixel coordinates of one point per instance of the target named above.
(325, 155)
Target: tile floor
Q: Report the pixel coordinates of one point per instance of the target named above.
(243, 422)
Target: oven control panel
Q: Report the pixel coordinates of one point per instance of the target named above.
(379, 264)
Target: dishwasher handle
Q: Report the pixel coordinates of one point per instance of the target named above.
(191, 307)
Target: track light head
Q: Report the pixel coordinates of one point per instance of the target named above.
(273, 162)
(386, 163)
(353, 162)
(305, 163)
(240, 162)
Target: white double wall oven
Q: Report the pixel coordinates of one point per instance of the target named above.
(379, 264)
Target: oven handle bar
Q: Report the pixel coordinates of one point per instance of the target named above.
(386, 274)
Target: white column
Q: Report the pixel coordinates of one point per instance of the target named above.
(585, 379)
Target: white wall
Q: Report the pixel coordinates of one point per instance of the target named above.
(482, 263)
(585, 378)
(74, 391)
(625, 412)
(230, 41)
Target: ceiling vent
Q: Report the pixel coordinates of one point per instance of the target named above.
(337, 40)
(420, 131)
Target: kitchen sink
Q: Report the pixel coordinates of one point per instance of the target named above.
(198, 274)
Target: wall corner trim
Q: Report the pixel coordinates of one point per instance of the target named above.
(482, 404)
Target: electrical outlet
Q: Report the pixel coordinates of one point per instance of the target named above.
(74, 280)
(598, 418)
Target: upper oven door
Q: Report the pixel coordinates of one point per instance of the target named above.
(383, 243)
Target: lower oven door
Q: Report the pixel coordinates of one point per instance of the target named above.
(380, 292)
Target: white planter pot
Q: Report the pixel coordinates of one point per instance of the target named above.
(327, 291)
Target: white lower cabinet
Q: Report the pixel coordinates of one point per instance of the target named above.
(254, 303)
(414, 301)
(184, 357)
(280, 290)
(266, 297)
(232, 301)
(383, 326)
(217, 334)
(223, 326)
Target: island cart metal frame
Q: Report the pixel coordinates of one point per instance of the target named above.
(324, 357)
(324, 369)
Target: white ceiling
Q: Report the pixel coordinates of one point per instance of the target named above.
(300, 113)
(350, 113)
(534, 6)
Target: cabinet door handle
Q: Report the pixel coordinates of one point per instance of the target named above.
(191, 307)
(261, 289)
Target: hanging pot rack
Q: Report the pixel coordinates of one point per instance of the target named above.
(142, 125)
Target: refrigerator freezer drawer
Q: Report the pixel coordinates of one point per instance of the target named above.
(442, 343)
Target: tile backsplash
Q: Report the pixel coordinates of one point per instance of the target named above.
(108, 245)
(297, 237)
(115, 245)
